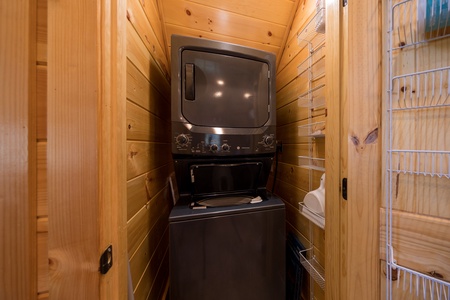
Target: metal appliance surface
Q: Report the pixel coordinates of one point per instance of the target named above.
(223, 253)
(223, 99)
(223, 245)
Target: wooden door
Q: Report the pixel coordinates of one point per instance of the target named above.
(353, 149)
(85, 152)
(17, 150)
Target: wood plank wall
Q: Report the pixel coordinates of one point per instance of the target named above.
(149, 150)
(148, 143)
(292, 181)
(420, 204)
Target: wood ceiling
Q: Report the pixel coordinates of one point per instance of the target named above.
(261, 24)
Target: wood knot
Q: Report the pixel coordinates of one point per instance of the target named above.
(436, 275)
(269, 33)
(188, 12)
(371, 138)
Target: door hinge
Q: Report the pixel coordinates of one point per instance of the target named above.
(344, 188)
(106, 260)
(344, 3)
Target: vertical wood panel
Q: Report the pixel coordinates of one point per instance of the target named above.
(335, 229)
(17, 150)
(364, 165)
(112, 143)
(73, 149)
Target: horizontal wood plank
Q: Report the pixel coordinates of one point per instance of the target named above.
(154, 96)
(421, 243)
(143, 188)
(181, 30)
(144, 156)
(152, 13)
(149, 254)
(137, 17)
(208, 19)
(142, 223)
(145, 126)
(139, 55)
(277, 12)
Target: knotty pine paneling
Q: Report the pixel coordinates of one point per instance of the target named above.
(422, 195)
(420, 242)
(155, 287)
(139, 55)
(144, 254)
(145, 126)
(138, 19)
(142, 223)
(181, 30)
(144, 156)
(209, 19)
(293, 182)
(305, 11)
(152, 13)
(295, 88)
(154, 94)
(149, 160)
(142, 188)
(275, 12)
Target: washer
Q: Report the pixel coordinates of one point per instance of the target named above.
(231, 252)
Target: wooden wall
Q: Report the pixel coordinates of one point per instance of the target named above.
(148, 144)
(420, 203)
(149, 160)
(293, 181)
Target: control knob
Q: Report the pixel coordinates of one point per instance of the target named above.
(182, 139)
(268, 140)
(213, 148)
(225, 147)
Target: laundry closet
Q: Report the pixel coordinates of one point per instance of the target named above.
(88, 175)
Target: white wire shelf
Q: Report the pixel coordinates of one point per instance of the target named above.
(427, 163)
(313, 267)
(424, 286)
(416, 22)
(311, 163)
(415, 26)
(421, 90)
(314, 130)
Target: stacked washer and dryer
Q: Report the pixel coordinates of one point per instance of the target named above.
(227, 232)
